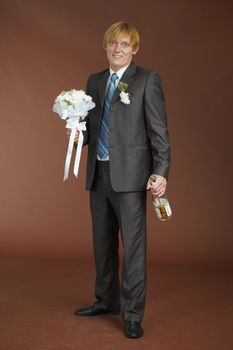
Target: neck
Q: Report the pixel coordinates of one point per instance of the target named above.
(116, 69)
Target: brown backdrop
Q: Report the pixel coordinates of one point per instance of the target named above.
(53, 45)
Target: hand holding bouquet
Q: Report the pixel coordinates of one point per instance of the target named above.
(73, 106)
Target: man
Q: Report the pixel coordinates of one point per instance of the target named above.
(127, 141)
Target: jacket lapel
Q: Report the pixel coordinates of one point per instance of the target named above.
(102, 87)
(127, 78)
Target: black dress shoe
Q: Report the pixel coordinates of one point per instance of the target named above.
(133, 329)
(94, 310)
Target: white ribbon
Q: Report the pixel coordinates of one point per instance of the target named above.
(74, 125)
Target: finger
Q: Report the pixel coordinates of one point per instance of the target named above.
(148, 185)
(161, 194)
(157, 189)
(160, 191)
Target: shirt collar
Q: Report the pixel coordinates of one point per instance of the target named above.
(120, 72)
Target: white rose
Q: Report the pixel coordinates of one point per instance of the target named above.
(77, 96)
(125, 97)
(87, 98)
(68, 97)
(63, 104)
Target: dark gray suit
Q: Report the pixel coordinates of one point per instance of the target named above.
(138, 147)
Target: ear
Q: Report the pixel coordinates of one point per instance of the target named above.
(135, 51)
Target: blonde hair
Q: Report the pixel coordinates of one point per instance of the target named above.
(119, 29)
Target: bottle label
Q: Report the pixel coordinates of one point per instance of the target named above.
(168, 209)
(163, 209)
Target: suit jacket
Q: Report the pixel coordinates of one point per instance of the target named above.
(138, 135)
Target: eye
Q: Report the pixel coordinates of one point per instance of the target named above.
(125, 45)
(112, 43)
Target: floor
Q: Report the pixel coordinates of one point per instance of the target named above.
(186, 309)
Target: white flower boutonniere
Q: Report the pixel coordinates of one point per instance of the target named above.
(124, 95)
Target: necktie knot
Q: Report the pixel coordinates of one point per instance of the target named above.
(114, 77)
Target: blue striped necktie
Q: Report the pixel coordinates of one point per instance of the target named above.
(102, 148)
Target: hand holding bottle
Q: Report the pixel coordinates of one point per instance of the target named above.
(158, 187)
(159, 198)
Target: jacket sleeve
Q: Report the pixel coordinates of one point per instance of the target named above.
(156, 123)
(85, 133)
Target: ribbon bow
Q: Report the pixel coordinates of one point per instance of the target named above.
(74, 125)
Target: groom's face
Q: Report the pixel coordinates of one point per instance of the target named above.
(119, 52)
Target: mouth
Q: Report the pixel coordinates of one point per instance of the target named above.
(117, 56)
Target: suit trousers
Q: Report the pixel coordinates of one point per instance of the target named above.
(113, 212)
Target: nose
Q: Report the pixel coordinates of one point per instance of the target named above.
(118, 47)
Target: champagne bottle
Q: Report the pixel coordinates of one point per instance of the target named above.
(161, 204)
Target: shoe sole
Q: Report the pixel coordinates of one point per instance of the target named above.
(97, 314)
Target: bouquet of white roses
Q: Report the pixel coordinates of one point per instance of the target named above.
(73, 106)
